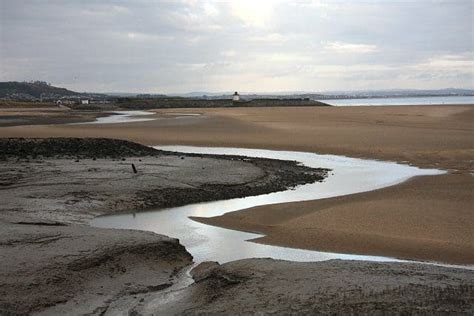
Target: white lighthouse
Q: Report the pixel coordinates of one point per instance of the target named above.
(236, 97)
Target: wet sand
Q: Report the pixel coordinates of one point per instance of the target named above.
(418, 219)
(427, 136)
(428, 218)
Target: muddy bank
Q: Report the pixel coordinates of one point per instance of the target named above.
(52, 262)
(52, 268)
(265, 286)
(72, 180)
(46, 116)
(30, 148)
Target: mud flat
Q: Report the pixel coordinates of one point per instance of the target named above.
(398, 220)
(21, 116)
(53, 263)
(427, 214)
(333, 287)
(61, 269)
(74, 180)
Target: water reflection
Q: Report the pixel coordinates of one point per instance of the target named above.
(204, 242)
(122, 117)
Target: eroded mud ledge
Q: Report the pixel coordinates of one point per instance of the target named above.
(52, 262)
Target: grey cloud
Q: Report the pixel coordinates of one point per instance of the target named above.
(178, 46)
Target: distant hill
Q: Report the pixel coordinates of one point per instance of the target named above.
(31, 90)
(40, 90)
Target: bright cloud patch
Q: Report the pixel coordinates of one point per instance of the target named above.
(253, 13)
(269, 38)
(451, 62)
(340, 47)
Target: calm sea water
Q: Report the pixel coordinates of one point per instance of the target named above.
(402, 101)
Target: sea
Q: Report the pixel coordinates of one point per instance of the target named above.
(402, 101)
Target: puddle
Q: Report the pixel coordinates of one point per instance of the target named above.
(205, 242)
(122, 117)
(135, 116)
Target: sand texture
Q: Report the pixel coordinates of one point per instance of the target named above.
(429, 218)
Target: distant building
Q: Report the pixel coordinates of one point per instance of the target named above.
(236, 97)
(85, 101)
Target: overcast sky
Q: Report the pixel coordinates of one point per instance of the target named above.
(245, 45)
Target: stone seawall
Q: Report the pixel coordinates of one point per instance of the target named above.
(157, 103)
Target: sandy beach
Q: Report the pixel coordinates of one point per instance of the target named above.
(428, 218)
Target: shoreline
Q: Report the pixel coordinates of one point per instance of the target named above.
(248, 122)
(130, 281)
(425, 136)
(55, 263)
(270, 221)
(163, 178)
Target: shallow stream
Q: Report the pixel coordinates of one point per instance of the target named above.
(209, 243)
(122, 117)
